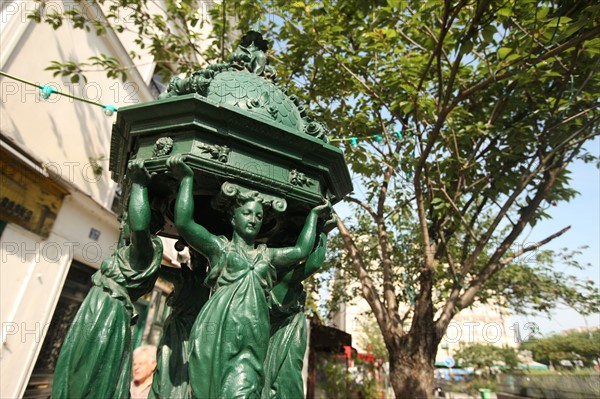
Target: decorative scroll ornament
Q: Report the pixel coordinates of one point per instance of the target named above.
(231, 193)
(218, 152)
(316, 129)
(299, 179)
(163, 146)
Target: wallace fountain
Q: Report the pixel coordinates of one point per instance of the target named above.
(232, 167)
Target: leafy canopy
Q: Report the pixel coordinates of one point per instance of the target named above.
(483, 357)
(576, 345)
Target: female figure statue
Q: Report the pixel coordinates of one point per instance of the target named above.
(95, 359)
(230, 337)
(287, 344)
(171, 379)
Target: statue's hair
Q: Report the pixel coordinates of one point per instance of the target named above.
(242, 198)
(232, 196)
(148, 350)
(249, 196)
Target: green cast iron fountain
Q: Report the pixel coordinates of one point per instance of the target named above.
(229, 164)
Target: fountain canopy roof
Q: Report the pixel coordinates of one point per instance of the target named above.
(232, 123)
(246, 81)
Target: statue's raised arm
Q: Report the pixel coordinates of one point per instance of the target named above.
(139, 215)
(195, 234)
(283, 257)
(89, 364)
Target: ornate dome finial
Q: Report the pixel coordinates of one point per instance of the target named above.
(254, 36)
(251, 54)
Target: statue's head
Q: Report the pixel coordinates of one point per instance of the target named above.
(255, 37)
(247, 210)
(124, 232)
(246, 214)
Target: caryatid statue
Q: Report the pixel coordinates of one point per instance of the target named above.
(244, 176)
(95, 358)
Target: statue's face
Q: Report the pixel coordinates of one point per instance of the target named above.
(247, 219)
(125, 234)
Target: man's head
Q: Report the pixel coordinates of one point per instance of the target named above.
(144, 363)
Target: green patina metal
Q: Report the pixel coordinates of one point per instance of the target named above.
(95, 359)
(241, 175)
(233, 124)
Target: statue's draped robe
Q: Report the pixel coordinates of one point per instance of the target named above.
(287, 345)
(189, 295)
(95, 359)
(230, 337)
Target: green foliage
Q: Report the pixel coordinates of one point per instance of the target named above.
(533, 284)
(583, 346)
(337, 380)
(75, 71)
(339, 383)
(169, 31)
(481, 107)
(372, 338)
(484, 357)
(491, 102)
(97, 168)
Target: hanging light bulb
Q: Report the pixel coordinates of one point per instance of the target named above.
(46, 92)
(353, 141)
(399, 135)
(109, 110)
(378, 138)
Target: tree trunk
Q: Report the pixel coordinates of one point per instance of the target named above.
(412, 355)
(412, 377)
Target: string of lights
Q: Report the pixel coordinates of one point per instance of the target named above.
(47, 91)
(354, 139)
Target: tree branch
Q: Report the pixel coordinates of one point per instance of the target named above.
(469, 294)
(368, 289)
(498, 77)
(363, 205)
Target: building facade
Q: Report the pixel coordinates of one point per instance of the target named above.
(57, 219)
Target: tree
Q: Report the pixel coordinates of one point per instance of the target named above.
(483, 357)
(169, 31)
(459, 121)
(583, 346)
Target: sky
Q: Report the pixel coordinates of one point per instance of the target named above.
(583, 215)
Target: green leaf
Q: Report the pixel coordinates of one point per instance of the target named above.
(396, 3)
(512, 57)
(488, 33)
(467, 47)
(390, 33)
(505, 12)
(503, 52)
(542, 12)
